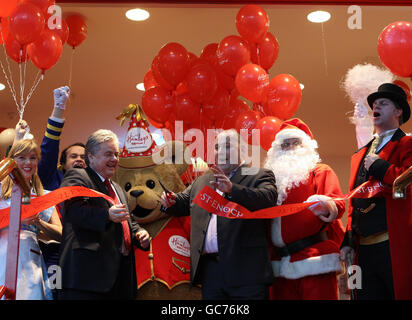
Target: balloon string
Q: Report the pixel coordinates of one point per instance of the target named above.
(21, 84)
(9, 77)
(325, 59)
(71, 72)
(36, 82)
(24, 75)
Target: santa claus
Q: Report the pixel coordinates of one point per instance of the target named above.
(305, 257)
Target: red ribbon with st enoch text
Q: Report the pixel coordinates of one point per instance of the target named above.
(207, 198)
(211, 201)
(38, 204)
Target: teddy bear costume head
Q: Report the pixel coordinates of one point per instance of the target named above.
(163, 271)
(143, 166)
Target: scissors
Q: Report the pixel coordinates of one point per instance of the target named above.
(169, 194)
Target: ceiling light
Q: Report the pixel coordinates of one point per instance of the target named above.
(137, 14)
(318, 16)
(2, 87)
(302, 86)
(140, 86)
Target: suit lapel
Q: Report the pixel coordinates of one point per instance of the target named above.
(238, 176)
(355, 163)
(120, 193)
(100, 186)
(386, 151)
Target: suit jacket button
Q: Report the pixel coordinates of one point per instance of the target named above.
(150, 256)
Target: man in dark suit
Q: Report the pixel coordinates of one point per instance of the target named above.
(379, 227)
(97, 258)
(229, 257)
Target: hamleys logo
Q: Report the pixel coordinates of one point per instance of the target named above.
(180, 245)
(138, 140)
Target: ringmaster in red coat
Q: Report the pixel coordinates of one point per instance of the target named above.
(305, 257)
(380, 228)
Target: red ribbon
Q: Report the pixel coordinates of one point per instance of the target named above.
(211, 201)
(207, 199)
(38, 204)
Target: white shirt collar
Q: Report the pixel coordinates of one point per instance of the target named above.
(386, 133)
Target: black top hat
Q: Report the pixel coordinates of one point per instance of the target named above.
(394, 93)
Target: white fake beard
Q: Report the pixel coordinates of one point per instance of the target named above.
(291, 168)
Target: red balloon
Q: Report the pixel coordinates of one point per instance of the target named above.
(4, 29)
(252, 82)
(236, 107)
(157, 104)
(77, 30)
(254, 58)
(216, 108)
(173, 63)
(46, 50)
(209, 54)
(283, 97)
(43, 5)
(26, 22)
(232, 53)
(154, 123)
(158, 77)
(15, 50)
(186, 109)
(269, 127)
(268, 51)
(201, 82)
(252, 23)
(181, 88)
(405, 88)
(62, 29)
(395, 48)
(247, 120)
(193, 59)
(225, 81)
(6, 7)
(149, 81)
(170, 126)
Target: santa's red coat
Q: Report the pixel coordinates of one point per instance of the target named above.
(322, 257)
(398, 155)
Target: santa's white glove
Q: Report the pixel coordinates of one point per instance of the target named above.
(326, 209)
(60, 97)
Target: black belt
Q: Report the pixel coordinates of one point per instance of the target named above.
(301, 244)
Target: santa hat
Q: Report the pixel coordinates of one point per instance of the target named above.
(295, 128)
(139, 145)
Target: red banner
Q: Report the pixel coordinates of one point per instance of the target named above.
(38, 204)
(211, 201)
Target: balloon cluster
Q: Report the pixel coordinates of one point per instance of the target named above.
(28, 32)
(205, 92)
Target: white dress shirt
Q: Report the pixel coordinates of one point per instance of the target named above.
(387, 137)
(211, 245)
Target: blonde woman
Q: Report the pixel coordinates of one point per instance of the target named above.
(32, 279)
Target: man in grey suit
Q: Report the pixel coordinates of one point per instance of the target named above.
(229, 257)
(97, 255)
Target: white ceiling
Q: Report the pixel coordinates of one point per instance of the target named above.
(117, 53)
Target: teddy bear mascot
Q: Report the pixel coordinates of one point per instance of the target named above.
(163, 272)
